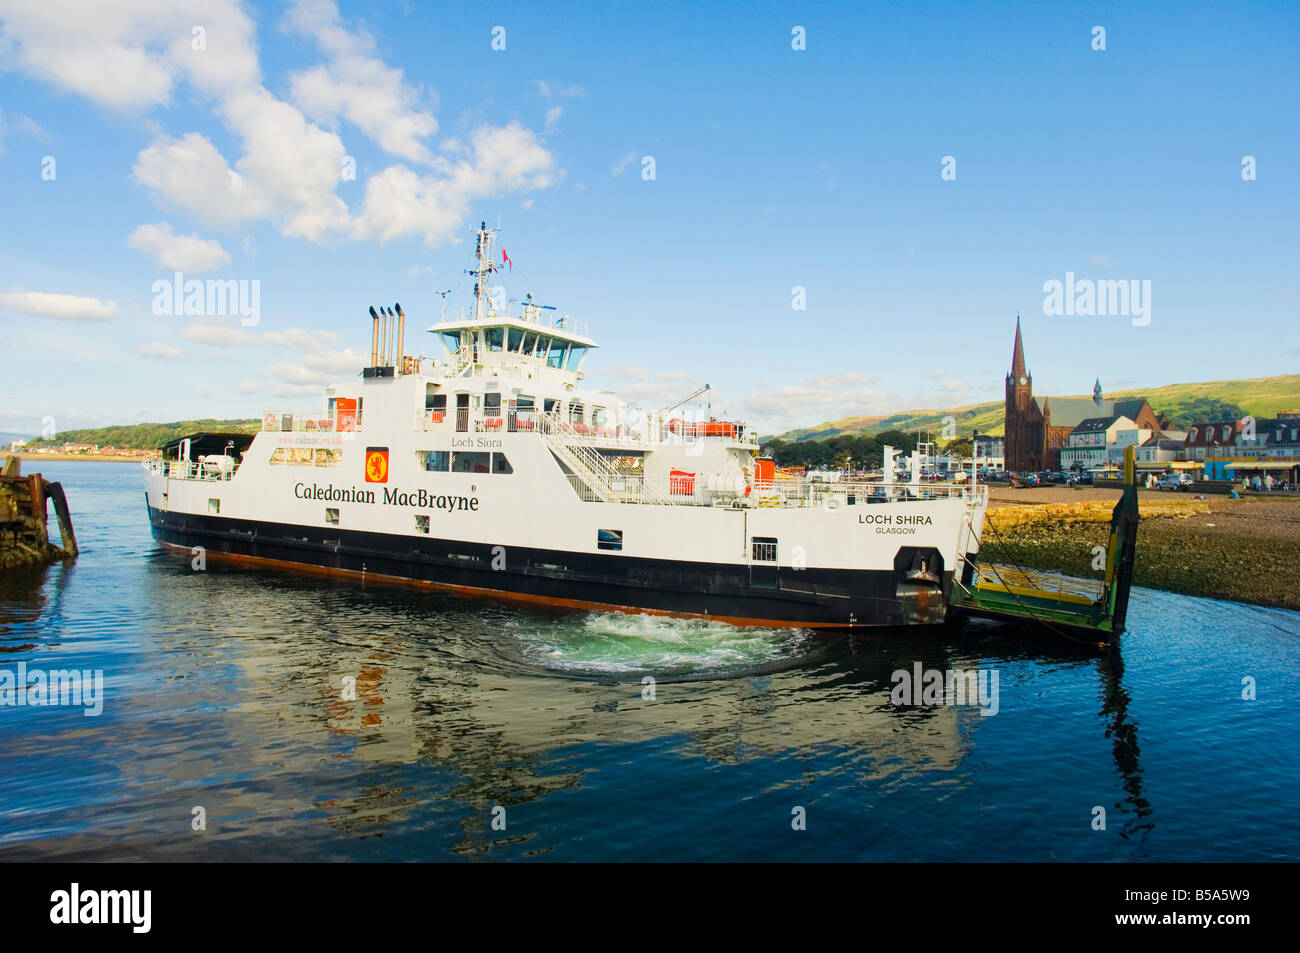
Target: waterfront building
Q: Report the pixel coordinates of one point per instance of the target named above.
(1037, 432)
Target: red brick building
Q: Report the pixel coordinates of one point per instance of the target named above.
(1035, 432)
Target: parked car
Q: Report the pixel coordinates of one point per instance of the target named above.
(1178, 480)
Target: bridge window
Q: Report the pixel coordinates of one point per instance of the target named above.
(611, 539)
(556, 358)
(530, 342)
(514, 338)
(470, 462)
(495, 337)
(764, 549)
(451, 341)
(576, 353)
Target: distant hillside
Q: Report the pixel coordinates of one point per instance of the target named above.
(145, 436)
(1260, 397)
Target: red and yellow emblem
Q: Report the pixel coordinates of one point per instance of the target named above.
(376, 464)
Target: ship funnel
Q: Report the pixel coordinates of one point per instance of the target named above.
(390, 329)
(401, 332)
(374, 338)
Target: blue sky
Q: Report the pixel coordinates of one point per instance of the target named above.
(774, 169)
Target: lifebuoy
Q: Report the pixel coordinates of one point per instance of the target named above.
(748, 487)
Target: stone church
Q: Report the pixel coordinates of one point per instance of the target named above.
(1037, 428)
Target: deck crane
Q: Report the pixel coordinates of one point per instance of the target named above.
(659, 414)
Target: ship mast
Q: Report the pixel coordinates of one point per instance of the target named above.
(485, 268)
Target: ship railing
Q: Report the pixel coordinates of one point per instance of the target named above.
(347, 421)
(692, 489)
(537, 315)
(688, 432)
(212, 470)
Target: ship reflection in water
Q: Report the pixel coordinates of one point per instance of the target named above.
(309, 719)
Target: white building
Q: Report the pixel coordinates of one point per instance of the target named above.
(1097, 441)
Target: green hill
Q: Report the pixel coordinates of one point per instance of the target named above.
(1260, 397)
(145, 436)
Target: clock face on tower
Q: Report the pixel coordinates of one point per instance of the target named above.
(1023, 382)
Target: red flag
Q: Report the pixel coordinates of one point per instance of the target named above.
(505, 259)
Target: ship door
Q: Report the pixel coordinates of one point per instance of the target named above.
(762, 562)
(462, 413)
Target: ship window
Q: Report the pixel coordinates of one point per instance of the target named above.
(764, 549)
(575, 413)
(500, 464)
(609, 539)
(422, 523)
(470, 462)
(494, 338)
(331, 516)
(575, 357)
(543, 345)
(451, 341)
(437, 461)
(530, 342)
(515, 339)
(598, 416)
(214, 506)
(556, 358)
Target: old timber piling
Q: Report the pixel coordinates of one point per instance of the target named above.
(24, 530)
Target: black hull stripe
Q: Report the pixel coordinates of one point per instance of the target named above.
(757, 595)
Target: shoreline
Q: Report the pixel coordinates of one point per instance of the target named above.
(1244, 550)
(71, 457)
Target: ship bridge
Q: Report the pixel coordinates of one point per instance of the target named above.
(483, 339)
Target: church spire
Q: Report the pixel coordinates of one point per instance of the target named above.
(1018, 356)
(1096, 391)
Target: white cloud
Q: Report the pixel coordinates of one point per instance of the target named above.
(134, 56)
(130, 55)
(319, 368)
(553, 116)
(295, 390)
(301, 338)
(190, 174)
(347, 362)
(251, 387)
(624, 161)
(158, 349)
(178, 252)
(355, 86)
(825, 397)
(399, 202)
(559, 91)
(63, 307)
(216, 335)
(415, 271)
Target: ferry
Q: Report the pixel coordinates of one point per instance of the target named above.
(493, 469)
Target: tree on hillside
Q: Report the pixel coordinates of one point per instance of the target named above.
(1202, 410)
(961, 447)
(897, 439)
